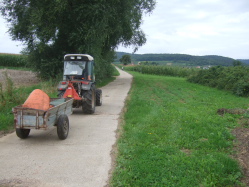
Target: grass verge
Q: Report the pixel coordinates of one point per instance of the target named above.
(172, 135)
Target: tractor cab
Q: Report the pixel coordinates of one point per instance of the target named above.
(79, 67)
(79, 82)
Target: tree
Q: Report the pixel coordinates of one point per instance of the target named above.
(237, 63)
(52, 28)
(126, 59)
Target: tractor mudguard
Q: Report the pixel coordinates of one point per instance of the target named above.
(86, 86)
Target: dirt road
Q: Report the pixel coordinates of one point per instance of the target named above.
(83, 159)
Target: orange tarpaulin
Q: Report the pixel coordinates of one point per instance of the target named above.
(37, 100)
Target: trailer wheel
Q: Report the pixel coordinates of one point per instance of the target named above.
(22, 133)
(88, 106)
(98, 97)
(62, 127)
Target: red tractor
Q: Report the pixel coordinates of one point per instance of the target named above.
(79, 82)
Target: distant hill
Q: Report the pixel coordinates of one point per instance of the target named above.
(246, 61)
(184, 59)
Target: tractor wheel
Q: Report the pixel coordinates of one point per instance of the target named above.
(88, 106)
(98, 97)
(62, 127)
(22, 133)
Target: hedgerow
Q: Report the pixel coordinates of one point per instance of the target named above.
(163, 70)
(234, 79)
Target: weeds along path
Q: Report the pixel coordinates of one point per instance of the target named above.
(83, 159)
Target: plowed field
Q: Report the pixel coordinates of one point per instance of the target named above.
(19, 78)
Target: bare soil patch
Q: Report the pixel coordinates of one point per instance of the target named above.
(19, 77)
(242, 149)
(242, 139)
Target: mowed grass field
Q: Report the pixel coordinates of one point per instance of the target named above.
(171, 135)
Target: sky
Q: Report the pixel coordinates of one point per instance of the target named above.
(195, 27)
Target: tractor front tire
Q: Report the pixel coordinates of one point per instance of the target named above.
(88, 106)
(62, 127)
(98, 97)
(22, 133)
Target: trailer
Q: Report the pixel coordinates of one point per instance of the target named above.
(26, 119)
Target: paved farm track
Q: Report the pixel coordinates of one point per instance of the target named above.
(83, 159)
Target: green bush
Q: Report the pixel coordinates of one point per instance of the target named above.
(234, 79)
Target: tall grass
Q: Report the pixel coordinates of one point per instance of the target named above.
(6, 95)
(11, 97)
(13, 60)
(172, 135)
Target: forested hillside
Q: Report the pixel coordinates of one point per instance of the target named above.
(246, 61)
(187, 60)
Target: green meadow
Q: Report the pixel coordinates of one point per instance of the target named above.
(171, 135)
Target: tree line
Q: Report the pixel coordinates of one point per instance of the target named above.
(189, 60)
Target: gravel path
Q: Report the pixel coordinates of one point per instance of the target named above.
(83, 159)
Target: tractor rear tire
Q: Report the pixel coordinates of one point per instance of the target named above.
(88, 106)
(22, 133)
(98, 97)
(62, 127)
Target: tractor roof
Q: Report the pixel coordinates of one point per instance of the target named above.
(85, 57)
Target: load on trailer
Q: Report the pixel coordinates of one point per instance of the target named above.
(79, 82)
